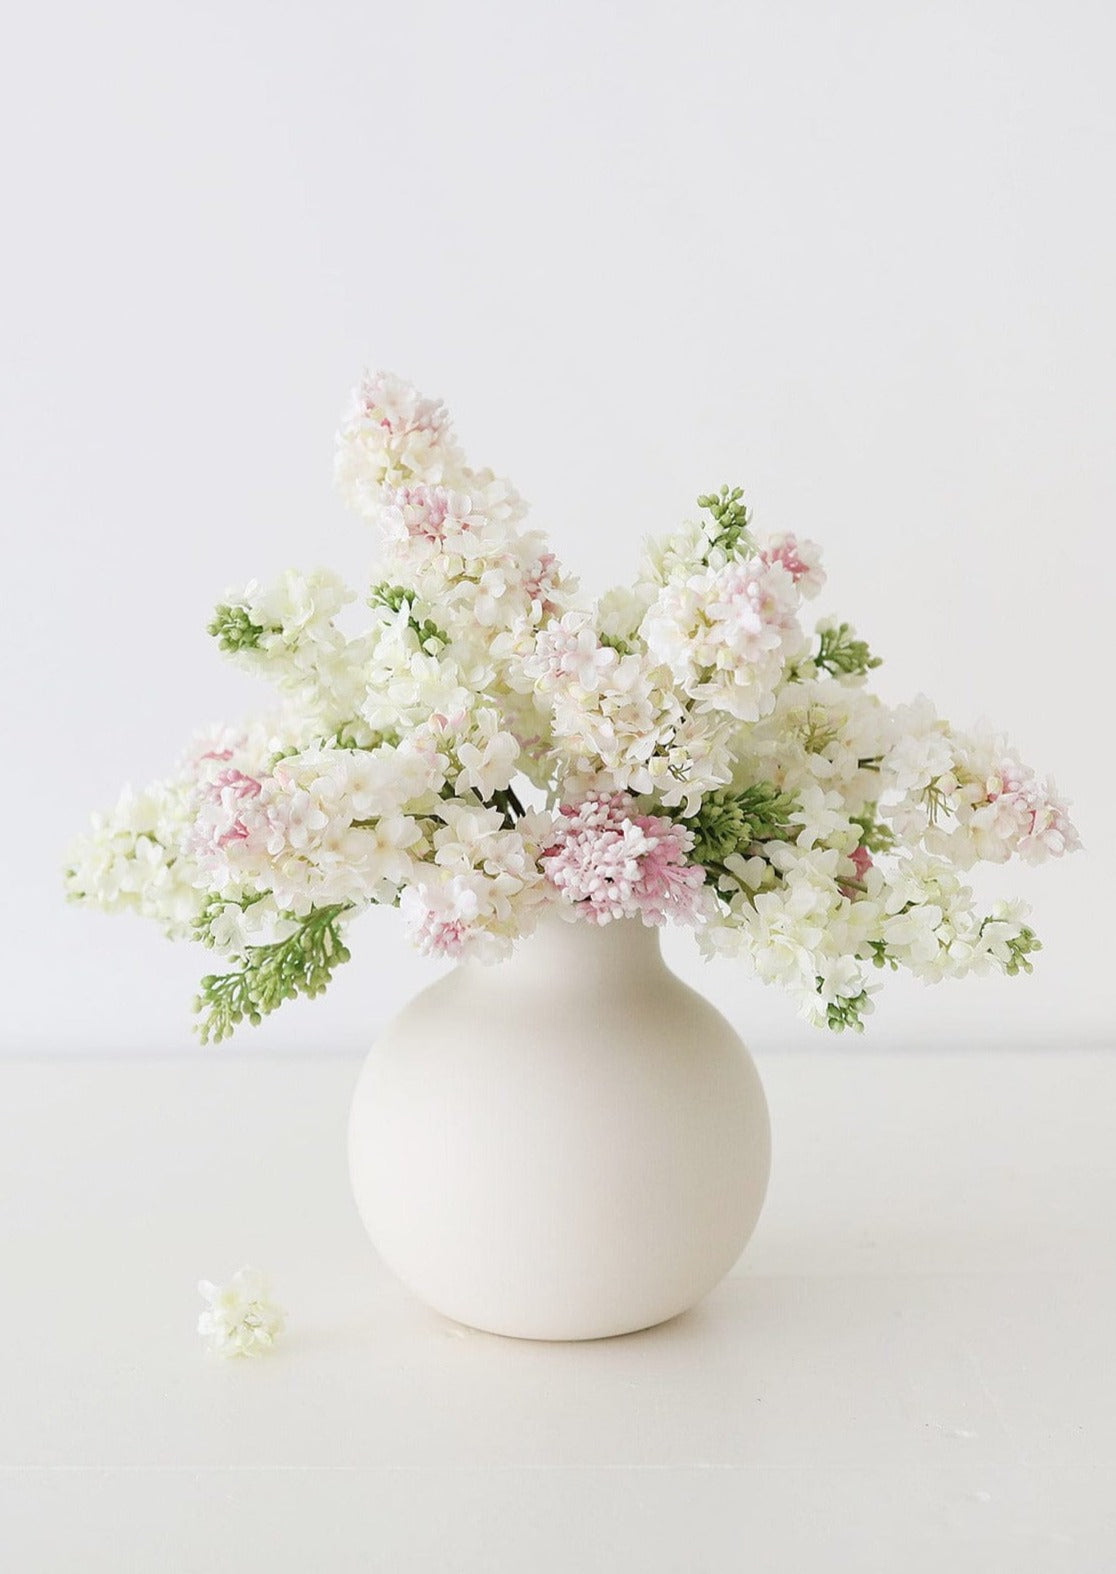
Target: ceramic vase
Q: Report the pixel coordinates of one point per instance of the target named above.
(567, 1145)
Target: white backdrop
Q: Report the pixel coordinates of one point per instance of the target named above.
(859, 258)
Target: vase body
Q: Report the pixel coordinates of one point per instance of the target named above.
(566, 1145)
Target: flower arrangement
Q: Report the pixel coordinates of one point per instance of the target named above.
(489, 744)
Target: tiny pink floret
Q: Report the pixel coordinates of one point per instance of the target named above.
(861, 860)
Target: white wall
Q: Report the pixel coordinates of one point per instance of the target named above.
(857, 257)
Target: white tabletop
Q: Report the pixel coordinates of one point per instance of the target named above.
(911, 1368)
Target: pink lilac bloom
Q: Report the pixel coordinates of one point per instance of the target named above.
(439, 918)
(751, 609)
(423, 511)
(396, 406)
(1052, 832)
(568, 650)
(218, 743)
(1024, 815)
(612, 862)
(801, 559)
(227, 794)
(540, 583)
(232, 820)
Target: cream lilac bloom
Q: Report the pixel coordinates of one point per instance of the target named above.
(240, 1317)
(728, 634)
(390, 436)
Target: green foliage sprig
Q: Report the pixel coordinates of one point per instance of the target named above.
(730, 822)
(214, 905)
(234, 630)
(303, 964)
(846, 1013)
(731, 520)
(841, 653)
(1020, 950)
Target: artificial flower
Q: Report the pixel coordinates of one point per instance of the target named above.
(482, 742)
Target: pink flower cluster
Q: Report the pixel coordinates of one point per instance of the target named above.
(424, 510)
(1018, 814)
(391, 403)
(801, 559)
(542, 583)
(243, 822)
(614, 863)
(569, 650)
(439, 918)
(750, 605)
(228, 812)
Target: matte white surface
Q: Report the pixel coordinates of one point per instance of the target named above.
(910, 1370)
(857, 257)
(561, 1163)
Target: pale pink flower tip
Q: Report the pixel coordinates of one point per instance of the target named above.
(861, 860)
(801, 559)
(1019, 807)
(440, 918)
(424, 511)
(612, 862)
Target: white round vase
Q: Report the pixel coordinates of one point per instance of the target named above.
(567, 1145)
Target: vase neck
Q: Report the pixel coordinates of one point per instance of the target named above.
(560, 949)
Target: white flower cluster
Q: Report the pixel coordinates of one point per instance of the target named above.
(617, 721)
(287, 632)
(727, 634)
(485, 742)
(969, 797)
(134, 858)
(240, 1317)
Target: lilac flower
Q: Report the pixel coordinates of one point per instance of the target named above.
(613, 862)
